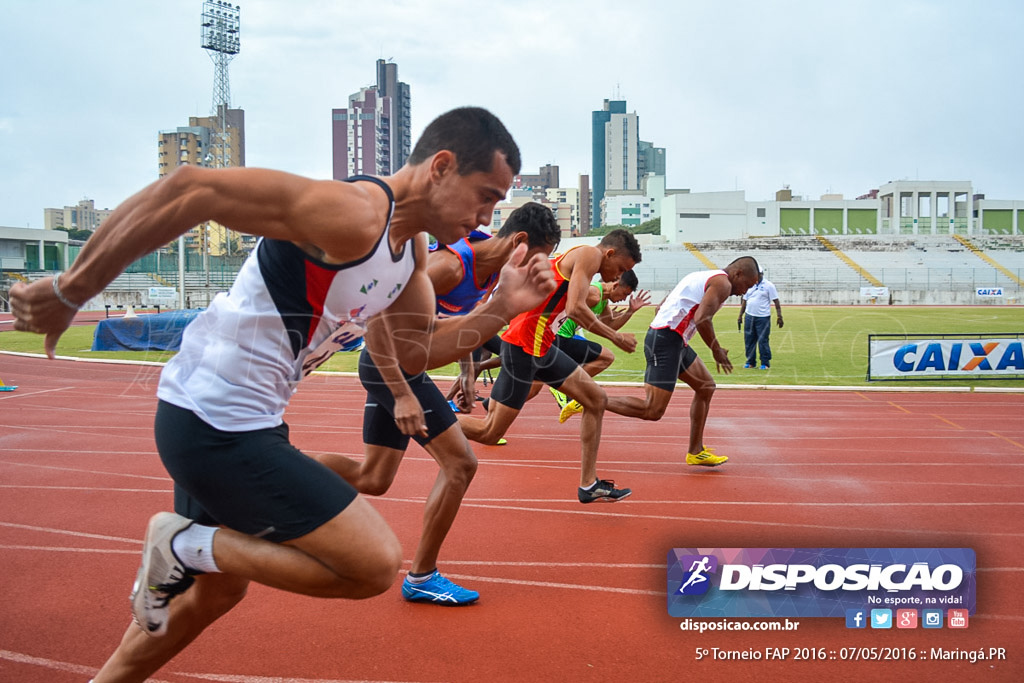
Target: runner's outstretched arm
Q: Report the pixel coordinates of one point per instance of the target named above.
(424, 342)
(255, 201)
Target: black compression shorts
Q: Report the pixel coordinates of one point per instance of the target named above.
(519, 369)
(254, 482)
(379, 428)
(580, 350)
(668, 357)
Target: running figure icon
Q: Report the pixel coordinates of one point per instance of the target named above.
(697, 571)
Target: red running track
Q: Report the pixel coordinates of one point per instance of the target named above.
(569, 592)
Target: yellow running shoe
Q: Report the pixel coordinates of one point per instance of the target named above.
(705, 458)
(501, 442)
(570, 409)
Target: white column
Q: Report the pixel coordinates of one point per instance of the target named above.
(915, 197)
(935, 211)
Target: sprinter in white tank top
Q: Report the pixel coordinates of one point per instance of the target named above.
(268, 331)
(688, 310)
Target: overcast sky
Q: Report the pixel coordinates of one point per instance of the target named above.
(821, 96)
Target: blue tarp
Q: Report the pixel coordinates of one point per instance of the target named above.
(149, 332)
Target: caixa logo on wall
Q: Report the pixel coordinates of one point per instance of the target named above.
(816, 582)
(937, 357)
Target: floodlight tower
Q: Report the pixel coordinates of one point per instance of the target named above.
(221, 38)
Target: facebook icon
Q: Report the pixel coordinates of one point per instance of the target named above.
(856, 618)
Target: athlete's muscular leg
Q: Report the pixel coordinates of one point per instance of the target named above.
(372, 476)
(491, 428)
(581, 387)
(703, 384)
(354, 555)
(458, 465)
(599, 364)
(651, 407)
(139, 655)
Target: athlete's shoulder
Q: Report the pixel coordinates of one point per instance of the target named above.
(344, 220)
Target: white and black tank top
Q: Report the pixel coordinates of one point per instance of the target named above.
(242, 358)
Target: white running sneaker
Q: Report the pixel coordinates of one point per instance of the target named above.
(162, 575)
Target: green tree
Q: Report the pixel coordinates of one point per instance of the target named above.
(651, 227)
(76, 234)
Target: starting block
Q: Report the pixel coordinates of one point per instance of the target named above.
(4, 387)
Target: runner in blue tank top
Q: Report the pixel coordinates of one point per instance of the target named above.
(465, 272)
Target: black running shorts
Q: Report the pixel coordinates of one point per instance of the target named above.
(668, 357)
(519, 369)
(254, 482)
(492, 345)
(379, 428)
(580, 350)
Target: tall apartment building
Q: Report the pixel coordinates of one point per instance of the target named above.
(584, 216)
(83, 216)
(373, 134)
(599, 122)
(201, 143)
(651, 159)
(388, 85)
(620, 159)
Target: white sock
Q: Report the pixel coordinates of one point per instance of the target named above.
(419, 578)
(588, 488)
(194, 547)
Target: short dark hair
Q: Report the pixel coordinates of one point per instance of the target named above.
(537, 221)
(747, 263)
(629, 279)
(473, 135)
(621, 239)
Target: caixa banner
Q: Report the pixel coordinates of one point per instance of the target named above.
(817, 582)
(990, 356)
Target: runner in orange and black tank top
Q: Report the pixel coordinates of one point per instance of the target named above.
(534, 331)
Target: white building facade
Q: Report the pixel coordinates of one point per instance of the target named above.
(897, 208)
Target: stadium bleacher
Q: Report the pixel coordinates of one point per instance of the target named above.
(919, 268)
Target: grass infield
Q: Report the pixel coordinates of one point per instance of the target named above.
(819, 345)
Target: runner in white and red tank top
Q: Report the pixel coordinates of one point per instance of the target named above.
(688, 310)
(336, 258)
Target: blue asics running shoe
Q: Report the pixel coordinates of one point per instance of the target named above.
(438, 590)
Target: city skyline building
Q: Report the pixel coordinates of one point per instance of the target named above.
(388, 85)
(620, 159)
(82, 216)
(201, 143)
(372, 135)
(599, 121)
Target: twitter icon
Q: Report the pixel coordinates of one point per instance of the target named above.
(881, 618)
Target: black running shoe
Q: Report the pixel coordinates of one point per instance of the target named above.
(604, 490)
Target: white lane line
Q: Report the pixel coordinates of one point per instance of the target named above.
(67, 667)
(74, 469)
(714, 520)
(86, 488)
(23, 394)
(68, 532)
(56, 549)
